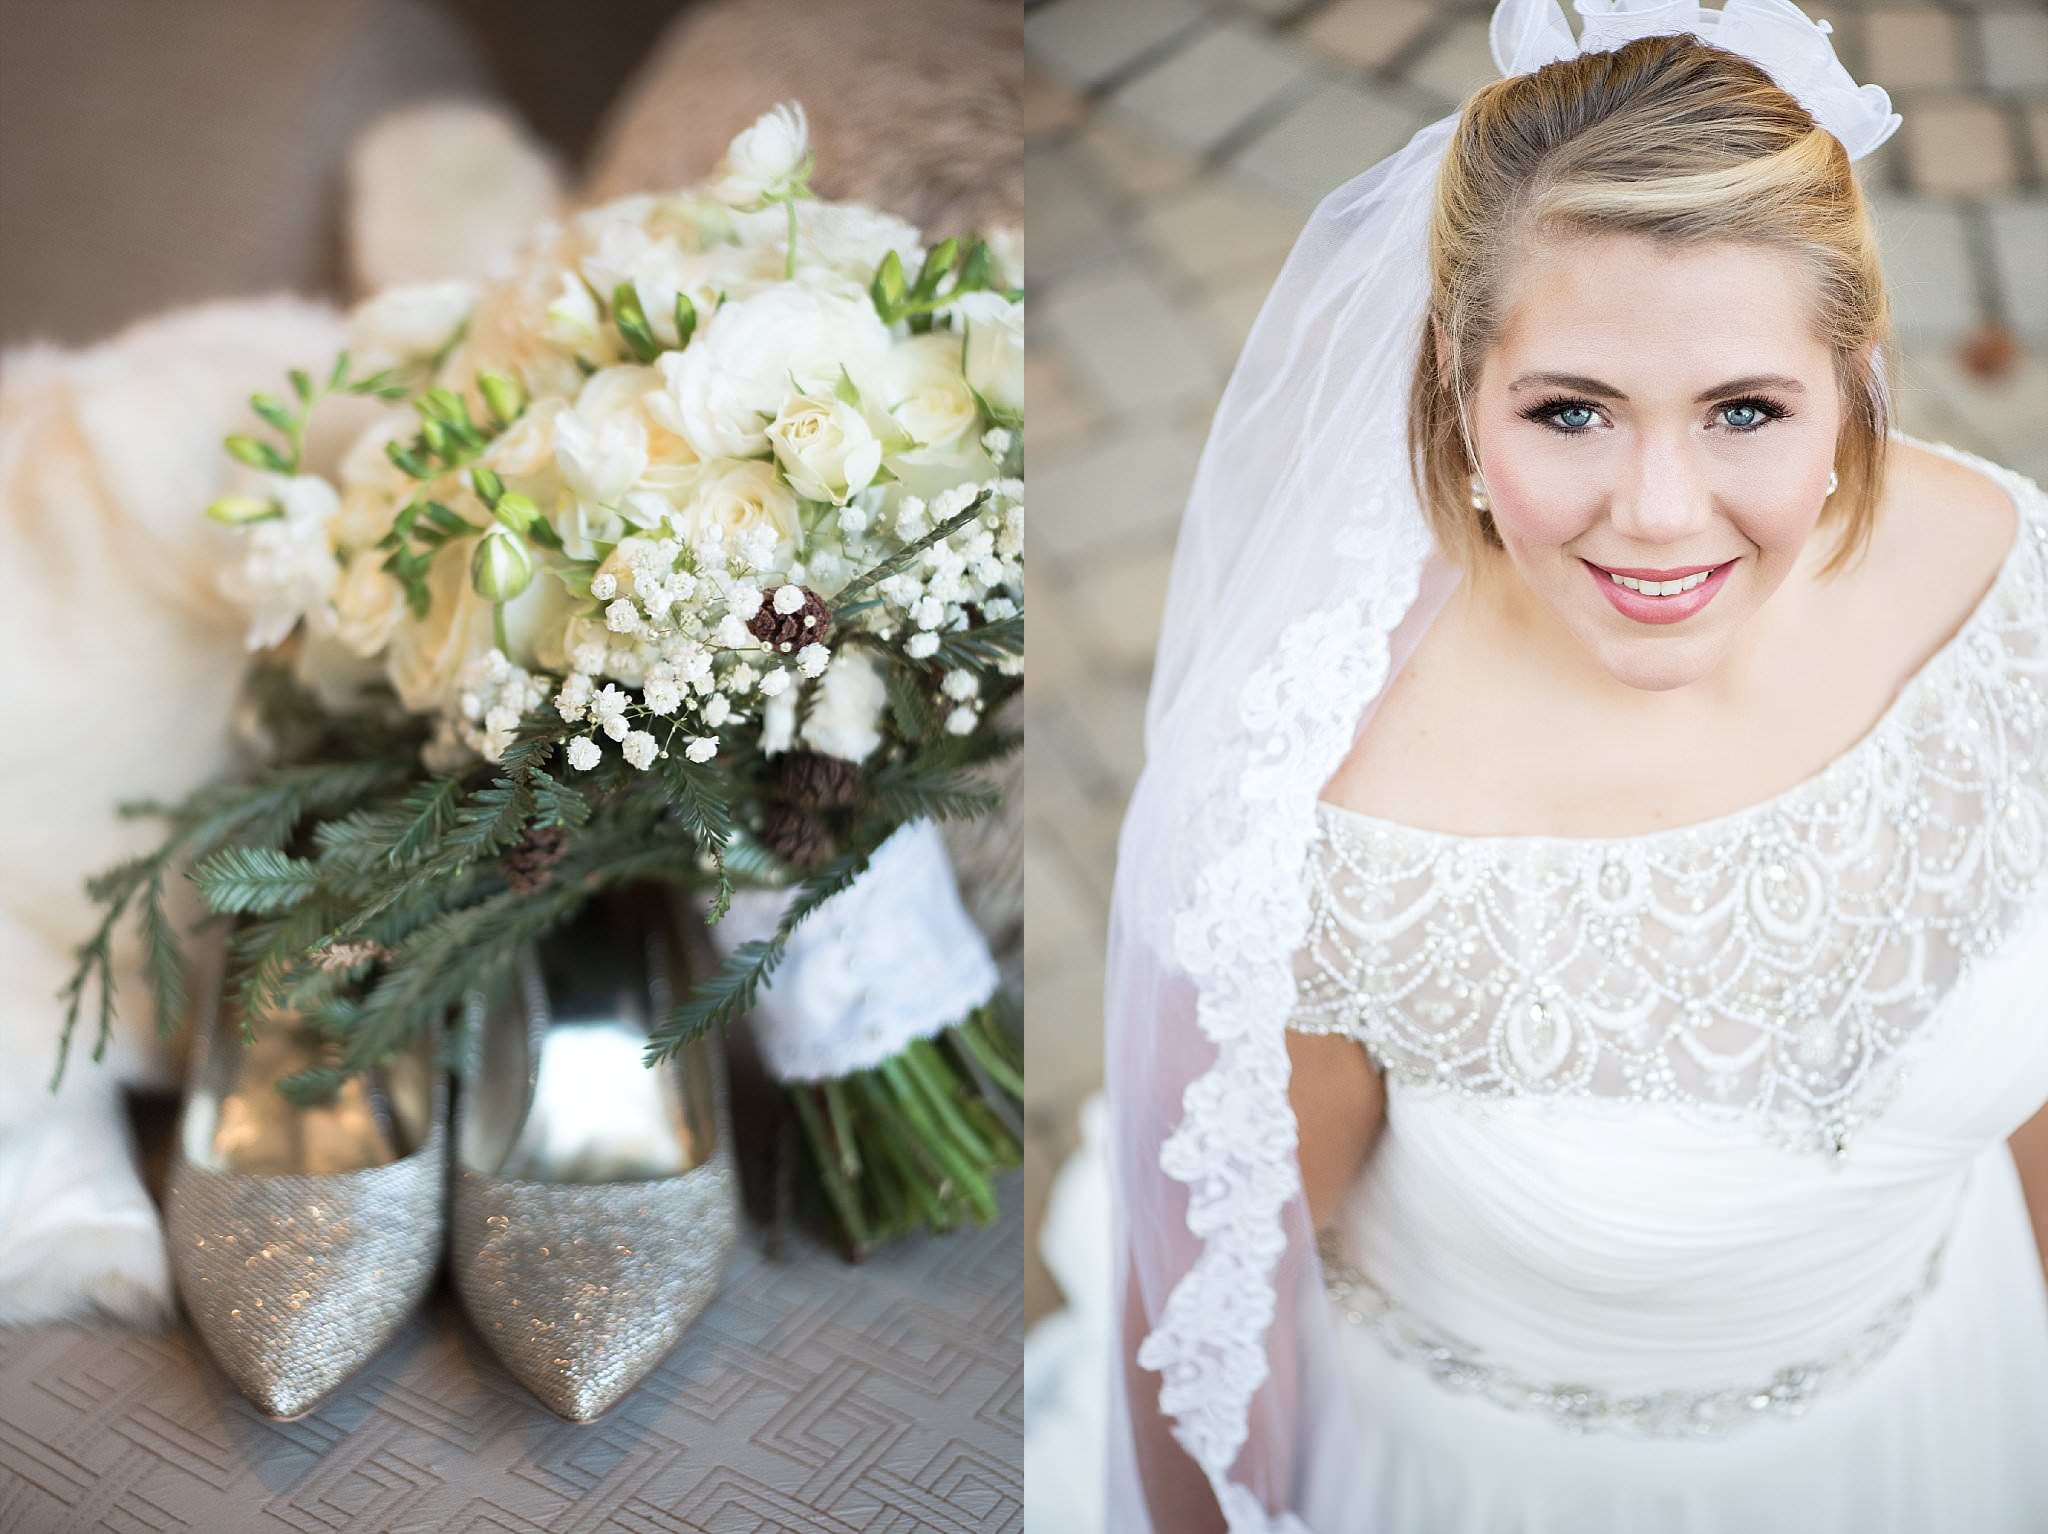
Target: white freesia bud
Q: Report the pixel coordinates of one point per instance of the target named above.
(501, 568)
(826, 448)
(995, 350)
(574, 323)
(767, 161)
(287, 567)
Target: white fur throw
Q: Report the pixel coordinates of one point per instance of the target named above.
(122, 665)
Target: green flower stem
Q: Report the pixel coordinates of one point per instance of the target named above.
(842, 1128)
(916, 1169)
(908, 1104)
(927, 1073)
(498, 628)
(988, 1057)
(844, 1198)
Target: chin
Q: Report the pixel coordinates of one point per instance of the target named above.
(1652, 666)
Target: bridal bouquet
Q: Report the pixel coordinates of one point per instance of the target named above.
(689, 550)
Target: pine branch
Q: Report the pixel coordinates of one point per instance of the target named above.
(702, 800)
(907, 791)
(431, 807)
(254, 879)
(904, 557)
(979, 649)
(166, 959)
(725, 997)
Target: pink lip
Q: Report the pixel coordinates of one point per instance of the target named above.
(1635, 574)
(1675, 609)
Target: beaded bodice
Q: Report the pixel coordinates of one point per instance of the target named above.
(1778, 962)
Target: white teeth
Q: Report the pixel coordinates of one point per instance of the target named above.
(1659, 588)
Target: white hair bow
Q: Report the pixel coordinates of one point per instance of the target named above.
(1776, 35)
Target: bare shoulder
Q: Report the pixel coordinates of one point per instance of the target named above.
(1943, 532)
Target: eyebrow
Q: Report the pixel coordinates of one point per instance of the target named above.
(1585, 385)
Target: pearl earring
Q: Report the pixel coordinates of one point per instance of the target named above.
(1834, 479)
(1479, 500)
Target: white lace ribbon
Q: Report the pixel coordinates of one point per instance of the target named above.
(892, 958)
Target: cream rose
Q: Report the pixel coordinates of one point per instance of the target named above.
(367, 602)
(995, 350)
(826, 448)
(927, 393)
(601, 445)
(739, 496)
(720, 392)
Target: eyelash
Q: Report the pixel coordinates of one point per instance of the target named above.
(1542, 411)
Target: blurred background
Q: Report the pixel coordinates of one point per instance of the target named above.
(153, 155)
(1174, 148)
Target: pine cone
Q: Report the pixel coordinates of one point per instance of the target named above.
(814, 781)
(787, 633)
(796, 836)
(530, 866)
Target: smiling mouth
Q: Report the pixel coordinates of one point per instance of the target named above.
(1660, 583)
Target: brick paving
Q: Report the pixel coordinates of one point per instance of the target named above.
(1174, 149)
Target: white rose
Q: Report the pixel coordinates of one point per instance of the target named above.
(995, 350)
(765, 160)
(826, 448)
(753, 353)
(412, 321)
(601, 445)
(741, 497)
(287, 566)
(849, 703)
(928, 395)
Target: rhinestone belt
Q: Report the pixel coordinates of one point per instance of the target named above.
(1460, 1366)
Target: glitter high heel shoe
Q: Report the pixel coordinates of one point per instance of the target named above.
(596, 1202)
(301, 1238)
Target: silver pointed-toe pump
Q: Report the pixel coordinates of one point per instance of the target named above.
(301, 1238)
(596, 1201)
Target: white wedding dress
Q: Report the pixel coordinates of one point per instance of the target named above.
(1693, 1210)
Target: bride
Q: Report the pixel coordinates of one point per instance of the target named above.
(1576, 1041)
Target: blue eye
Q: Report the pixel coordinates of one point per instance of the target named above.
(1574, 417)
(1743, 417)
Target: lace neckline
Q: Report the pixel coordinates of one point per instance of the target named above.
(2007, 584)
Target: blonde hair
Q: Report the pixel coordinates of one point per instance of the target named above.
(1670, 138)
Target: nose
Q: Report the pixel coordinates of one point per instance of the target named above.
(1663, 495)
